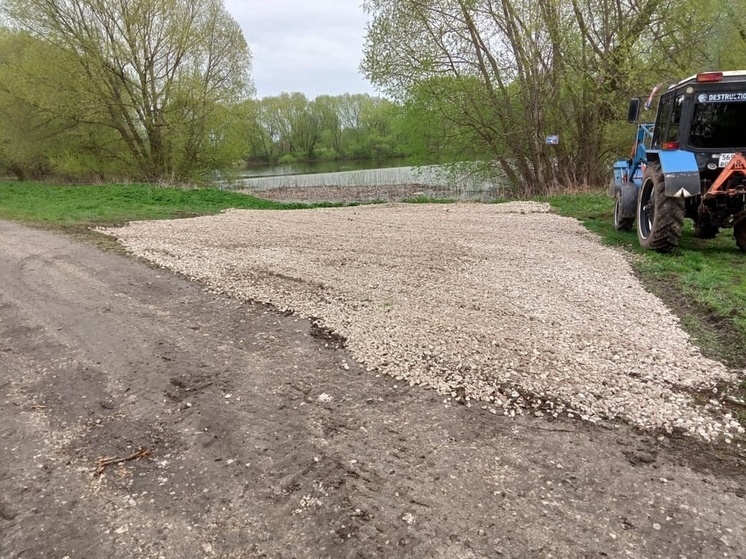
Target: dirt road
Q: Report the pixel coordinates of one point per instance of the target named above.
(266, 440)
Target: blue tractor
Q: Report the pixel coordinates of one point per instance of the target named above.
(688, 163)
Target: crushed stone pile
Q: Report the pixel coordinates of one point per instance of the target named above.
(506, 306)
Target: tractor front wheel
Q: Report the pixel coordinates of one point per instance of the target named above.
(621, 223)
(625, 206)
(659, 217)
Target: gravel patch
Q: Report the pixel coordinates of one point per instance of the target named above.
(507, 306)
(349, 194)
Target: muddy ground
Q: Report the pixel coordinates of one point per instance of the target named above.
(264, 439)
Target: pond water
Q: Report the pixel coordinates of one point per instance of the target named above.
(315, 167)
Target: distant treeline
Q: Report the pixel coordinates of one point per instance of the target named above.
(291, 127)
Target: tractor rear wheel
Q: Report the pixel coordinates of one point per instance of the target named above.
(659, 217)
(739, 230)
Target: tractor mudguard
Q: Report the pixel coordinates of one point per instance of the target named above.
(628, 206)
(680, 173)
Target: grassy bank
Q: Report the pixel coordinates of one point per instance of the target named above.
(75, 209)
(41, 204)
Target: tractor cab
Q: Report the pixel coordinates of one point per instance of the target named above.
(704, 115)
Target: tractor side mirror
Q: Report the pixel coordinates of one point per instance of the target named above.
(633, 114)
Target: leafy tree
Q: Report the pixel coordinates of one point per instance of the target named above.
(44, 130)
(327, 108)
(162, 74)
(432, 122)
(306, 124)
(716, 38)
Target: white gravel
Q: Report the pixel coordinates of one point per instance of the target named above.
(521, 310)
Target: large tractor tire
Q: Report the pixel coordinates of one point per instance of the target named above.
(739, 230)
(625, 207)
(659, 217)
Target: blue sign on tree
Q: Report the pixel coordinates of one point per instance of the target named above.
(553, 140)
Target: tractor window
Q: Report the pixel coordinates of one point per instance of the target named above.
(664, 117)
(673, 130)
(718, 125)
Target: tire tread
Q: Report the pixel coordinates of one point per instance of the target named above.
(668, 217)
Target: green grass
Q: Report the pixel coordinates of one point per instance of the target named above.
(703, 282)
(75, 210)
(60, 206)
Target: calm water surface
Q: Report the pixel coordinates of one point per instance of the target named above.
(315, 167)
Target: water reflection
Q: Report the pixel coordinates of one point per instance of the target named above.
(314, 167)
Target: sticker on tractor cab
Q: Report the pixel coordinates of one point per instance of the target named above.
(721, 97)
(725, 159)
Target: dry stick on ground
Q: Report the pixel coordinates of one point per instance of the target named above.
(101, 463)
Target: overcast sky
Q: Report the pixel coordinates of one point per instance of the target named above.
(311, 46)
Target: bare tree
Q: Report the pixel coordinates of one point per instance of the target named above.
(513, 72)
